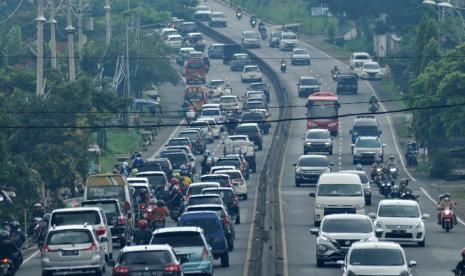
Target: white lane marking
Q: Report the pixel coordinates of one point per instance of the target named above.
(31, 257)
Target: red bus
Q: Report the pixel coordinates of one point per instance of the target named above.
(322, 111)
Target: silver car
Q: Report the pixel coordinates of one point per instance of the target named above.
(300, 56)
(318, 140)
(366, 149)
(250, 39)
(72, 248)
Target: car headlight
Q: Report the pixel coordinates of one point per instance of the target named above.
(319, 206)
(323, 248)
(357, 153)
(379, 225)
(308, 143)
(327, 143)
(298, 170)
(404, 273)
(419, 226)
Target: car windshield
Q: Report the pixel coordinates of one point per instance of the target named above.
(368, 143)
(204, 200)
(73, 236)
(199, 124)
(251, 69)
(178, 239)
(90, 217)
(197, 189)
(193, 136)
(322, 109)
(300, 52)
(177, 159)
(318, 135)
(258, 86)
(366, 131)
(308, 82)
(398, 211)
(362, 57)
(339, 190)
(145, 257)
(371, 66)
(246, 130)
(194, 96)
(223, 180)
(217, 15)
(251, 35)
(110, 208)
(155, 179)
(178, 142)
(218, 83)
(253, 117)
(347, 80)
(211, 112)
(108, 191)
(228, 100)
(289, 36)
(313, 162)
(376, 257)
(174, 38)
(232, 174)
(209, 226)
(347, 226)
(195, 65)
(228, 162)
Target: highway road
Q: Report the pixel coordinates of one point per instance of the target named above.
(237, 257)
(442, 249)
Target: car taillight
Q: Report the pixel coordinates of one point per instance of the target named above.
(92, 247)
(47, 249)
(235, 201)
(100, 231)
(173, 268)
(5, 261)
(120, 270)
(226, 220)
(205, 254)
(141, 206)
(240, 181)
(121, 220)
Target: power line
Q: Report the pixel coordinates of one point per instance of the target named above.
(179, 110)
(12, 14)
(228, 123)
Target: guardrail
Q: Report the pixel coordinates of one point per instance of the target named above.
(266, 253)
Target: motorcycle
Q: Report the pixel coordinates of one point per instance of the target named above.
(407, 195)
(393, 171)
(263, 34)
(335, 74)
(175, 213)
(411, 158)
(385, 188)
(447, 219)
(7, 267)
(158, 223)
(283, 67)
(395, 192)
(239, 15)
(253, 23)
(190, 116)
(373, 107)
(207, 165)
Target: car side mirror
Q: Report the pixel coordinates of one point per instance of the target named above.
(294, 164)
(350, 131)
(314, 231)
(352, 145)
(372, 215)
(412, 263)
(425, 216)
(331, 164)
(384, 145)
(312, 194)
(379, 231)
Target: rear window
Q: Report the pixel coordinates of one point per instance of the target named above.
(211, 112)
(253, 116)
(156, 179)
(308, 82)
(233, 175)
(77, 217)
(69, 237)
(178, 239)
(220, 179)
(228, 162)
(251, 69)
(98, 192)
(204, 200)
(152, 258)
(226, 196)
(177, 159)
(110, 208)
(246, 130)
(178, 142)
(197, 189)
(208, 225)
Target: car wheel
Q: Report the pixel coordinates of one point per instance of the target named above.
(254, 168)
(47, 273)
(331, 151)
(422, 243)
(245, 197)
(260, 146)
(297, 183)
(225, 260)
(316, 223)
(368, 201)
(238, 220)
(98, 273)
(231, 245)
(122, 242)
(320, 263)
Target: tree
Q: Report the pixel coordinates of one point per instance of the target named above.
(426, 31)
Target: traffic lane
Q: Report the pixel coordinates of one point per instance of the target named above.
(322, 66)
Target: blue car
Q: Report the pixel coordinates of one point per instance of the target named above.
(189, 245)
(211, 224)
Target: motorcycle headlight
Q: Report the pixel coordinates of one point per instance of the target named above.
(327, 143)
(392, 169)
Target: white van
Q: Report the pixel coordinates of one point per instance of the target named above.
(338, 193)
(174, 41)
(357, 60)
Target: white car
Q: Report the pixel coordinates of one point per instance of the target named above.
(357, 59)
(401, 221)
(205, 128)
(300, 56)
(165, 32)
(214, 113)
(230, 103)
(250, 39)
(366, 149)
(202, 13)
(251, 73)
(213, 124)
(376, 258)
(288, 41)
(174, 41)
(239, 182)
(371, 71)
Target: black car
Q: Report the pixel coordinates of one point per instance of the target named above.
(253, 132)
(198, 141)
(260, 86)
(121, 228)
(347, 83)
(229, 198)
(178, 159)
(187, 27)
(229, 50)
(157, 164)
(259, 118)
(274, 39)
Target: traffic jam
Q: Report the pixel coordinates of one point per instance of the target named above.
(179, 212)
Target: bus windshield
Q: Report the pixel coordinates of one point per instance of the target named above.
(322, 109)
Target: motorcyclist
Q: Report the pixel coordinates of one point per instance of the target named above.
(335, 70)
(253, 18)
(407, 194)
(239, 13)
(37, 210)
(206, 62)
(403, 184)
(391, 161)
(395, 192)
(377, 164)
(142, 235)
(18, 237)
(125, 170)
(283, 65)
(159, 212)
(446, 203)
(205, 162)
(190, 114)
(175, 197)
(137, 161)
(460, 268)
(9, 250)
(261, 25)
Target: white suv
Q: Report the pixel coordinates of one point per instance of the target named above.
(371, 71)
(288, 41)
(376, 258)
(251, 73)
(357, 59)
(401, 221)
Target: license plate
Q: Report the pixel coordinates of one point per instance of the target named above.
(70, 252)
(145, 273)
(398, 231)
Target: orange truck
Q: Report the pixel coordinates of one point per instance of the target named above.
(195, 97)
(195, 71)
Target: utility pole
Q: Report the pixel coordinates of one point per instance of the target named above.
(80, 27)
(53, 43)
(128, 85)
(70, 29)
(40, 48)
(107, 9)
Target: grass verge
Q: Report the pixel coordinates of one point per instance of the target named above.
(388, 85)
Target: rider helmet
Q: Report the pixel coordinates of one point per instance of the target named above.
(134, 172)
(446, 196)
(38, 205)
(359, 167)
(153, 201)
(378, 160)
(335, 68)
(125, 164)
(462, 252)
(174, 181)
(391, 157)
(143, 224)
(4, 235)
(15, 225)
(408, 191)
(176, 175)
